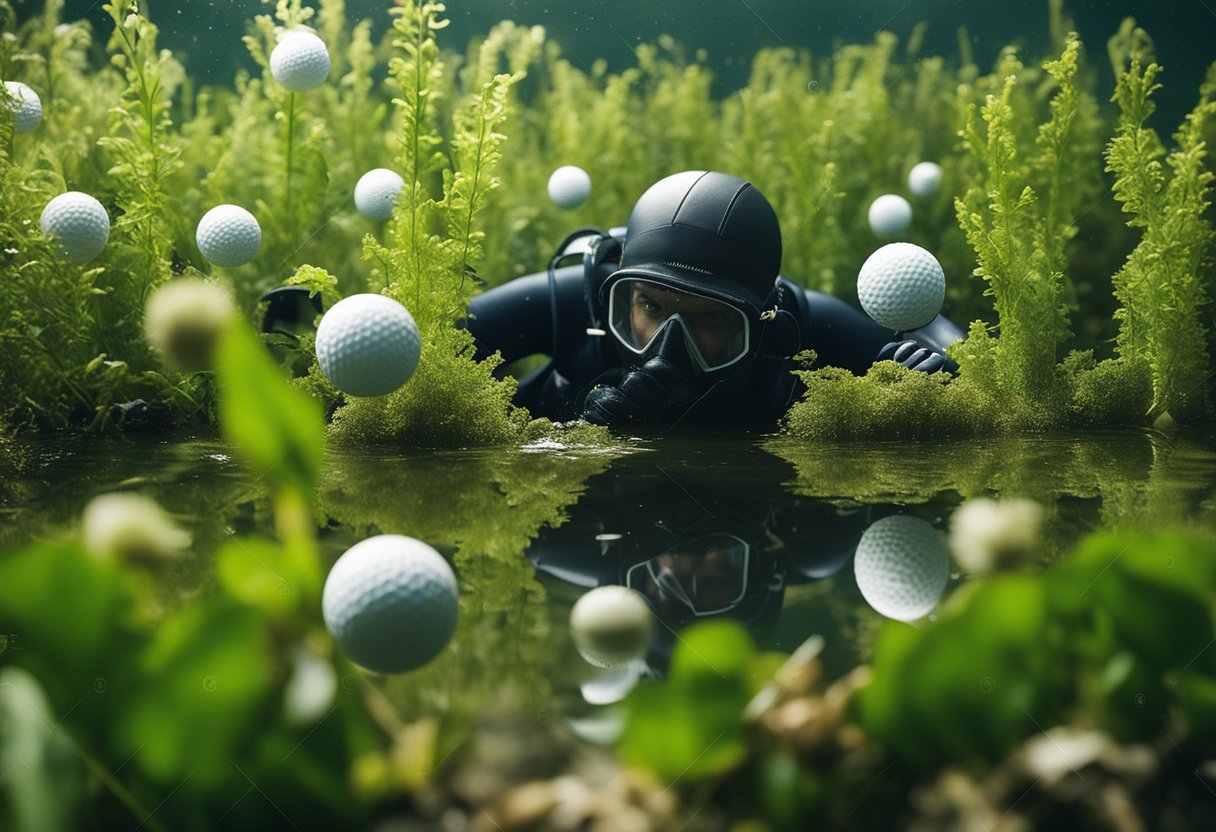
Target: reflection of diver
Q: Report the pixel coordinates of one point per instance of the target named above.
(725, 552)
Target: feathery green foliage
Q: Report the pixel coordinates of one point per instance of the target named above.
(1018, 234)
(1159, 285)
(142, 141)
(435, 247)
(1030, 187)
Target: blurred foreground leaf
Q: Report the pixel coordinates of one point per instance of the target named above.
(278, 430)
(1119, 635)
(691, 727)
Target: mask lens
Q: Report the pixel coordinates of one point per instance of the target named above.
(715, 332)
(704, 576)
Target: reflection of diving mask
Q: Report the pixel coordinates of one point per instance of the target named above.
(716, 334)
(703, 576)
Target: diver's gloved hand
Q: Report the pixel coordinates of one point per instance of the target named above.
(915, 357)
(642, 396)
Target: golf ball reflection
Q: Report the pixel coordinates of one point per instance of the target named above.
(902, 567)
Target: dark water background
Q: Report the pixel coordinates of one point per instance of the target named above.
(208, 34)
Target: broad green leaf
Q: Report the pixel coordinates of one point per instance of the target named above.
(277, 429)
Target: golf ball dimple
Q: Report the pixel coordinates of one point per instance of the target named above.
(26, 107)
(901, 567)
(924, 180)
(890, 215)
(376, 192)
(368, 345)
(300, 62)
(79, 225)
(611, 625)
(391, 603)
(901, 286)
(569, 186)
(229, 236)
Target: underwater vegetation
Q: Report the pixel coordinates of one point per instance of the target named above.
(1030, 156)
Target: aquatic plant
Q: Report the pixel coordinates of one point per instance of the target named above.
(1160, 287)
(430, 263)
(1019, 214)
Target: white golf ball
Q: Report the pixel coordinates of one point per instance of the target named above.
(569, 186)
(901, 567)
(368, 345)
(611, 625)
(300, 62)
(890, 215)
(924, 180)
(78, 223)
(27, 107)
(376, 192)
(901, 286)
(391, 603)
(229, 236)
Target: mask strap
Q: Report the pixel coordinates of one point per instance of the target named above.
(573, 244)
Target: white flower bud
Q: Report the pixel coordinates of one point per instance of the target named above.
(185, 318)
(131, 527)
(987, 535)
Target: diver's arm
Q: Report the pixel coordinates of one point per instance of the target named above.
(518, 317)
(843, 336)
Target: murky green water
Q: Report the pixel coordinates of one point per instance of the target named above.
(758, 529)
(530, 530)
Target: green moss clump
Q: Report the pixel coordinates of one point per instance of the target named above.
(889, 402)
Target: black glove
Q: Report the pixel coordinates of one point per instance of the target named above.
(915, 357)
(641, 397)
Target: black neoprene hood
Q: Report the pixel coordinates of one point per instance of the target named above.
(705, 232)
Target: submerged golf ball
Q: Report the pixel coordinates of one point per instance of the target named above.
(376, 192)
(924, 180)
(368, 345)
(391, 603)
(611, 625)
(901, 567)
(300, 62)
(229, 236)
(569, 186)
(78, 223)
(27, 107)
(890, 215)
(901, 286)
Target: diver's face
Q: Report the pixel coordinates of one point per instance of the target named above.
(714, 325)
(714, 580)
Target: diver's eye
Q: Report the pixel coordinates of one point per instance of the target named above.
(647, 305)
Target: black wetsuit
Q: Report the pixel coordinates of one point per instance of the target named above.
(536, 315)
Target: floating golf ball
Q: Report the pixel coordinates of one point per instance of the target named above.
(901, 286)
(611, 625)
(901, 567)
(890, 215)
(924, 180)
(376, 192)
(569, 186)
(300, 62)
(391, 603)
(26, 107)
(368, 345)
(229, 236)
(78, 223)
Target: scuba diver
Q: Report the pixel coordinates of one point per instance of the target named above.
(683, 317)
